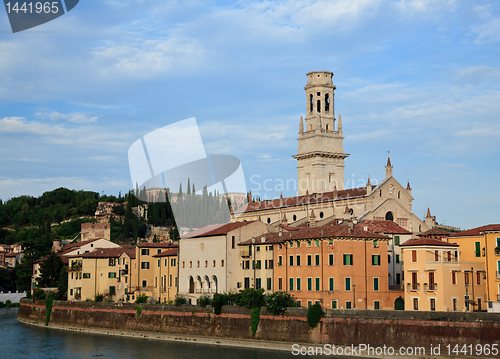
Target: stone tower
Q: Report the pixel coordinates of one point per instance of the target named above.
(320, 159)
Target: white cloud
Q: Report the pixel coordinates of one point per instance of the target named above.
(76, 117)
(488, 33)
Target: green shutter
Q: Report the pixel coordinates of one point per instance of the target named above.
(331, 284)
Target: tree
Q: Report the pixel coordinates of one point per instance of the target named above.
(62, 284)
(50, 269)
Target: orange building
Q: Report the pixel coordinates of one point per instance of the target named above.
(337, 266)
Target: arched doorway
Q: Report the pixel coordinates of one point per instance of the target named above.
(389, 216)
(399, 304)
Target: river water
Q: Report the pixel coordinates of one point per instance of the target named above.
(19, 340)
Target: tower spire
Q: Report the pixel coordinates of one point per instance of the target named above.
(388, 167)
(301, 126)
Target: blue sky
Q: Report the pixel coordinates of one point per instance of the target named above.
(417, 78)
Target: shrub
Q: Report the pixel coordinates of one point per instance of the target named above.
(218, 301)
(314, 315)
(2, 305)
(40, 294)
(255, 316)
(141, 298)
(99, 298)
(252, 298)
(49, 302)
(139, 310)
(180, 300)
(203, 301)
(277, 302)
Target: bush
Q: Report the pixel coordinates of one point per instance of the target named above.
(314, 315)
(277, 302)
(139, 310)
(141, 298)
(203, 301)
(218, 301)
(255, 316)
(99, 298)
(49, 302)
(252, 298)
(180, 300)
(40, 294)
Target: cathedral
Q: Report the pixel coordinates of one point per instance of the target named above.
(322, 197)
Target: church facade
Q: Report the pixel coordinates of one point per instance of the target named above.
(320, 167)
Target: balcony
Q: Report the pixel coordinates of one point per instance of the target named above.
(245, 251)
(396, 286)
(144, 289)
(430, 287)
(124, 271)
(413, 287)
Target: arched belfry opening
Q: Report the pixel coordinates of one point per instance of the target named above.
(310, 103)
(327, 103)
(318, 106)
(389, 216)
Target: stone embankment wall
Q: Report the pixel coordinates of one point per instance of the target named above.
(340, 327)
(12, 296)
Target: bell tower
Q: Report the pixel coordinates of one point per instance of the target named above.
(320, 158)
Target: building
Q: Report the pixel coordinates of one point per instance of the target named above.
(102, 271)
(439, 278)
(320, 171)
(166, 275)
(146, 277)
(210, 261)
(335, 265)
(481, 247)
(95, 230)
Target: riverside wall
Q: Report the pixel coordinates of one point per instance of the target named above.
(340, 327)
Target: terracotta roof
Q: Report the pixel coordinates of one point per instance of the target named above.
(70, 247)
(106, 253)
(428, 212)
(427, 242)
(288, 228)
(11, 254)
(299, 200)
(435, 232)
(388, 161)
(385, 227)
(216, 229)
(168, 253)
(157, 245)
(305, 233)
(477, 231)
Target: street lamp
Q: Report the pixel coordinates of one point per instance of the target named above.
(354, 295)
(467, 297)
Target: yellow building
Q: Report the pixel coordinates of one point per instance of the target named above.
(481, 245)
(437, 278)
(102, 271)
(166, 271)
(144, 275)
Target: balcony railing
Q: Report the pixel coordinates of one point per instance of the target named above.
(430, 286)
(144, 289)
(396, 286)
(413, 287)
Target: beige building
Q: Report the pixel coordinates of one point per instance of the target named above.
(438, 279)
(102, 271)
(166, 271)
(210, 261)
(320, 167)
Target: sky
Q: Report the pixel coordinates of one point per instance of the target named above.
(418, 78)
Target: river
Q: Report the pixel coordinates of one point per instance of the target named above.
(19, 340)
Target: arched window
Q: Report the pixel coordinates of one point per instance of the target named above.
(327, 127)
(389, 216)
(207, 282)
(310, 103)
(321, 215)
(216, 285)
(327, 103)
(191, 285)
(318, 106)
(294, 217)
(199, 285)
(399, 194)
(269, 220)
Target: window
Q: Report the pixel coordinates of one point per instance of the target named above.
(389, 259)
(222, 262)
(112, 290)
(247, 282)
(466, 277)
(309, 260)
(233, 242)
(348, 259)
(290, 285)
(112, 275)
(166, 262)
(213, 264)
(290, 263)
(198, 264)
(413, 256)
(375, 284)
(71, 292)
(145, 252)
(280, 260)
(316, 259)
(308, 243)
(317, 284)
(112, 262)
(455, 304)
(271, 264)
(173, 262)
(280, 283)
(190, 264)
(398, 278)
(317, 242)
(397, 258)
(258, 283)
(331, 287)
(85, 275)
(299, 286)
(375, 260)
(158, 251)
(183, 264)
(170, 280)
(396, 240)
(348, 305)
(269, 286)
(290, 244)
(436, 256)
(258, 248)
(309, 303)
(298, 261)
(348, 284)
(478, 278)
(376, 304)
(415, 303)
(330, 259)
(159, 263)
(206, 264)
(375, 244)
(298, 243)
(309, 284)
(144, 283)
(145, 265)
(334, 304)
(431, 280)
(432, 303)
(448, 254)
(454, 278)
(257, 265)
